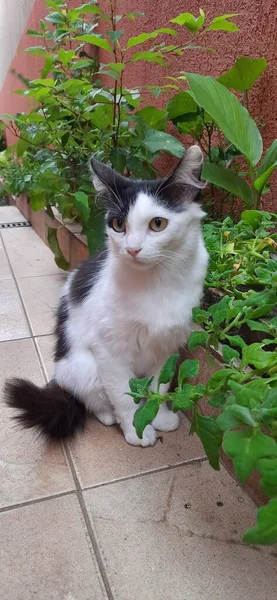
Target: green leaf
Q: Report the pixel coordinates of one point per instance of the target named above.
(260, 181)
(181, 103)
(155, 141)
(37, 51)
(222, 23)
(267, 467)
(199, 315)
(269, 158)
(229, 353)
(242, 413)
(253, 217)
(145, 415)
(168, 370)
(228, 180)
(187, 369)
(243, 73)
(244, 395)
(219, 311)
(148, 56)
(265, 532)
(217, 379)
(56, 18)
(95, 40)
(82, 205)
(210, 436)
(154, 117)
(144, 37)
(229, 114)
(235, 340)
(53, 242)
(257, 326)
(197, 338)
(94, 229)
(227, 421)
(115, 35)
(189, 21)
(183, 399)
(256, 356)
(139, 387)
(246, 447)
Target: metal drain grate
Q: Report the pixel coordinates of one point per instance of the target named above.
(13, 225)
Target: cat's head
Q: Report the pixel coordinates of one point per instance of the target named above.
(148, 221)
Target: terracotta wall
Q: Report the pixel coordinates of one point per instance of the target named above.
(258, 23)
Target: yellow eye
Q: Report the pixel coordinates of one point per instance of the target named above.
(158, 224)
(118, 225)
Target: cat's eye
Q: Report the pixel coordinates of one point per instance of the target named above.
(118, 225)
(158, 224)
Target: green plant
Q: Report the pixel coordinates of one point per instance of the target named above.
(75, 114)
(244, 390)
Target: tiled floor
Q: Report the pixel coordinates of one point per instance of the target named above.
(97, 519)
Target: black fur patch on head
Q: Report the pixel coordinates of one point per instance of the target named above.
(62, 345)
(85, 276)
(173, 192)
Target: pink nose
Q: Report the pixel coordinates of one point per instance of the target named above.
(133, 251)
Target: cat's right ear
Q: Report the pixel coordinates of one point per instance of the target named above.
(104, 178)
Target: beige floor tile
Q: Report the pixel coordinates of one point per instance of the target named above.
(45, 345)
(41, 297)
(5, 271)
(29, 256)
(45, 554)
(11, 214)
(173, 540)
(13, 323)
(29, 467)
(101, 454)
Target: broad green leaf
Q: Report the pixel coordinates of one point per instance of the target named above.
(183, 399)
(149, 56)
(199, 315)
(235, 340)
(52, 240)
(115, 35)
(181, 103)
(144, 37)
(95, 40)
(256, 356)
(197, 338)
(37, 51)
(187, 369)
(168, 369)
(265, 531)
(94, 229)
(267, 467)
(228, 180)
(219, 311)
(56, 18)
(260, 181)
(243, 73)
(218, 400)
(229, 114)
(244, 395)
(139, 387)
(222, 23)
(227, 421)
(253, 217)
(155, 141)
(229, 353)
(242, 413)
(45, 82)
(154, 117)
(117, 67)
(269, 158)
(145, 415)
(217, 379)
(261, 298)
(82, 205)
(257, 326)
(246, 447)
(189, 21)
(210, 436)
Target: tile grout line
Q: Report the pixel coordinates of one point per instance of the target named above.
(89, 527)
(27, 503)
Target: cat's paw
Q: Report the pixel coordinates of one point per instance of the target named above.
(106, 417)
(168, 421)
(148, 438)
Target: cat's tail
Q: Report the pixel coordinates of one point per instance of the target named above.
(53, 411)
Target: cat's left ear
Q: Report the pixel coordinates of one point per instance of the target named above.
(188, 172)
(104, 178)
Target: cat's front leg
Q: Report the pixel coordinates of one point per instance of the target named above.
(115, 376)
(166, 420)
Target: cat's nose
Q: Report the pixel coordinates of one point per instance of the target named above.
(133, 251)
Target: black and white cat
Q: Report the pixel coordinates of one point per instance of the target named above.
(123, 313)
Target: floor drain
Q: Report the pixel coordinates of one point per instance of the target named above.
(13, 225)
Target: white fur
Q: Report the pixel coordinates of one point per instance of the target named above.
(137, 314)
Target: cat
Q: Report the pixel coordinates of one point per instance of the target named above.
(125, 311)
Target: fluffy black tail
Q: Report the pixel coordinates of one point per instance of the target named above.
(56, 413)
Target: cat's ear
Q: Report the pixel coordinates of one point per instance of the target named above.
(104, 178)
(188, 171)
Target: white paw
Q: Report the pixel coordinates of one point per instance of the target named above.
(168, 421)
(105, 417)
(148, 438)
